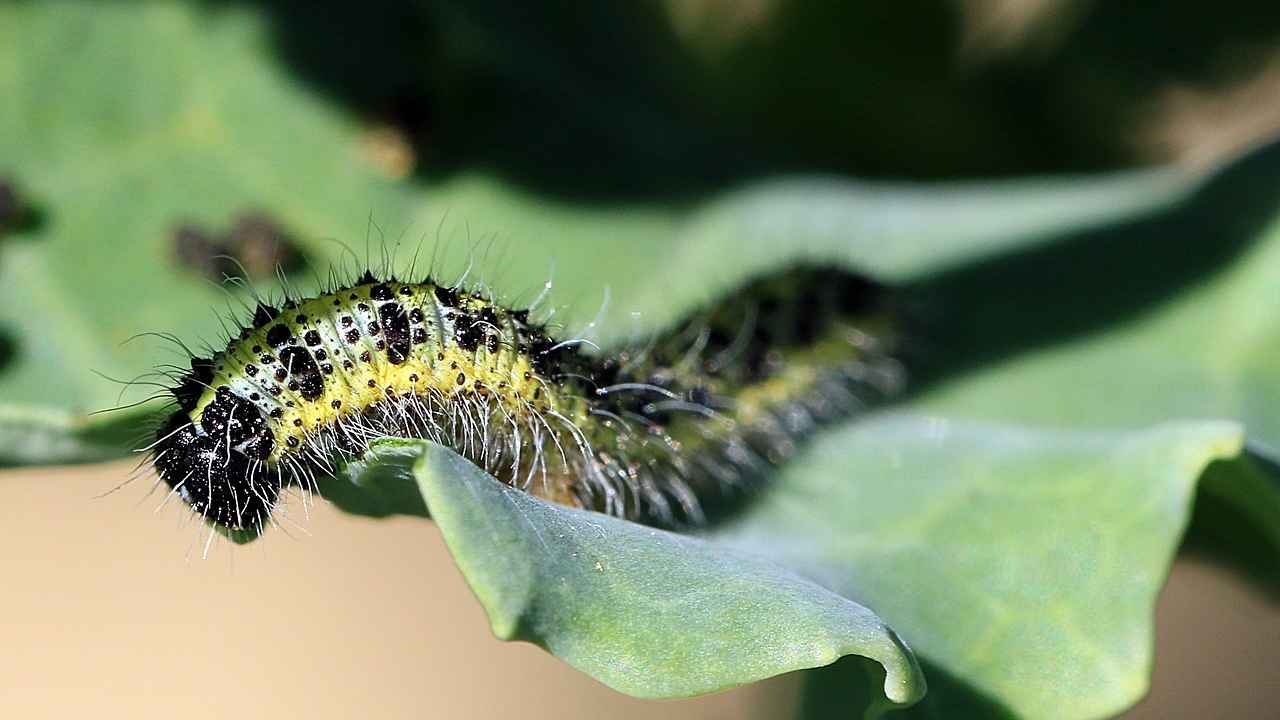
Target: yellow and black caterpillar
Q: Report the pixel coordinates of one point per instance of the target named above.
(650, 433)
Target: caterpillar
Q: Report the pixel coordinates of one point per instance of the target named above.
(655, 432)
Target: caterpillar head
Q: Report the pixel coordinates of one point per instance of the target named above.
(216, 465)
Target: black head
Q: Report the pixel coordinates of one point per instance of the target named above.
(218, 467)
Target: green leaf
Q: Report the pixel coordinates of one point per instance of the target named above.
(1102, 331)
(900, 231)
(212, 126)
(1111, 301)
(30, 435)
(182, 139)
(650, 613)
(1022, 564)
(1170, 316)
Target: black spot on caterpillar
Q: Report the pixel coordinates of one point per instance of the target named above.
(656, 434)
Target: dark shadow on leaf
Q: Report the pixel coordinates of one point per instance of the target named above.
(96, 439)
(576, 98)
(128, 428)
(386, 488)
(8, 348)
(1222, 529)
(1072, 286)
(32, 219)
(844, 688)
(18, 214)
(600, 101)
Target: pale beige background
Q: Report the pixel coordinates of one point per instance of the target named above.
(107, 611)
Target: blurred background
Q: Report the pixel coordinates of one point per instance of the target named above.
(116, 615)
(181, 131)
(675, 97)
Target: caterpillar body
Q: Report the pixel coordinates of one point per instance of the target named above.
(656, 433)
